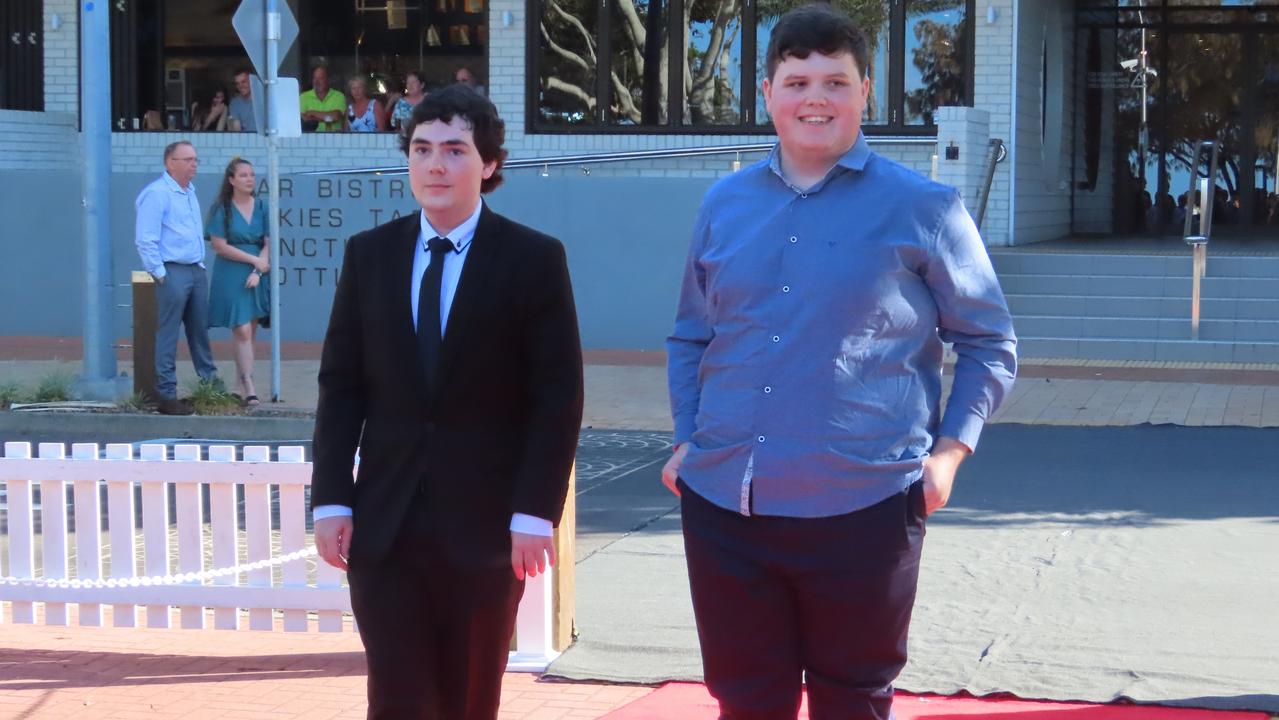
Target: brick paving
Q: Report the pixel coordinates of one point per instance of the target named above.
(117, 674)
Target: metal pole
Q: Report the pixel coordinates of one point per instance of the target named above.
(98, 375)
(273, 182)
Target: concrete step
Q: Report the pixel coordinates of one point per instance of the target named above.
(1145, 328)
(1128, 306)
(1249, 288)
(1049, 263)
(1147, 349)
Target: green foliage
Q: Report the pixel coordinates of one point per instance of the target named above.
(54, 387)
(211, 397)
(136, 402)
(10, 393)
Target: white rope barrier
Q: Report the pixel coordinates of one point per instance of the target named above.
(179, 579)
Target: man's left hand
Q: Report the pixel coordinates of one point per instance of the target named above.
(939, 472)
(531, 554)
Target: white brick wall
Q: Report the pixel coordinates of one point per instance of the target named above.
(38, 141)
(992, 78)
(61, 56)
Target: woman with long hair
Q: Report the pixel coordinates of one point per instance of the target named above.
(239, 290)
(212, 118)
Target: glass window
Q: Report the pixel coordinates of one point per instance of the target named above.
(638, 56)
(936, 57)
(567, 67)
(188, 54)
(712, 62)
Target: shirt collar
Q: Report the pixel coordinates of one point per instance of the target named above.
(461, 236)
(173, 184)
(854, 159)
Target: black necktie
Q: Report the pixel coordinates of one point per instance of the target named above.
(428, 310)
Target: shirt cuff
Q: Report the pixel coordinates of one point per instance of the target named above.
(324, 512)
(159, 273)
(529, 525)
(964, 426)
(685, 426)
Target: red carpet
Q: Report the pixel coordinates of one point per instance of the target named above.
(684, 701)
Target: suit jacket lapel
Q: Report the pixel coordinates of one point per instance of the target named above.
(471, 286)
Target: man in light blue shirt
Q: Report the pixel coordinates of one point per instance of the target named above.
(169, 234)
(805, 373)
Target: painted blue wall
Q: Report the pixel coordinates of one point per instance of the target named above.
(626, 239)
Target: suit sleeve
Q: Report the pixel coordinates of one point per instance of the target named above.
(553, 353)
(340, 413)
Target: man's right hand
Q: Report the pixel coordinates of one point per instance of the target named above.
(333, 540)
(670, 471)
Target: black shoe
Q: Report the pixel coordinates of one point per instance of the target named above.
(173, 406)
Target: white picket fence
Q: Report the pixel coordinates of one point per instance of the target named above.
(255, 586)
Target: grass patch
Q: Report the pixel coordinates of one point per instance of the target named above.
(54, 387)
(136, 403)
(10, 393)
(211, 397)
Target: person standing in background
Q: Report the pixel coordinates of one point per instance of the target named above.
(323, 108)
(169, 234)
(240, 290)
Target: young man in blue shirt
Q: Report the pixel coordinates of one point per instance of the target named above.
(805, 379)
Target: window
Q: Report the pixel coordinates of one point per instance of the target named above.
(920, 58)
(171, 56)
(21, 56)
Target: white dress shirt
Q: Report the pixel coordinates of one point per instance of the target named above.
(461, 237)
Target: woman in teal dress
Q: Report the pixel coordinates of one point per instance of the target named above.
(239, 291)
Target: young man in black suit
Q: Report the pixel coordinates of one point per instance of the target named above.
(453, 361)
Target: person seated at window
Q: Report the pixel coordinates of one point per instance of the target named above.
(212, 118)
(151, 120)
(322, 106)
(464, 76)
(402, 105)
(363, 113)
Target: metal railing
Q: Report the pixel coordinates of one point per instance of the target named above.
(995, 155)
(632, 155)
(1205, 187)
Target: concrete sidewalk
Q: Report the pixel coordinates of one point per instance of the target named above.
(633, 396)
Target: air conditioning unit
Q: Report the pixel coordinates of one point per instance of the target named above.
(175, 96)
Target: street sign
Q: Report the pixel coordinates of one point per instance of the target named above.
(249, 22)
(286, 117)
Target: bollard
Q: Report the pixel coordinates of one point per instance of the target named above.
(144, 319)
(564, 591)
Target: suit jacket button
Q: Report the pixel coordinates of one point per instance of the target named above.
(430, 427)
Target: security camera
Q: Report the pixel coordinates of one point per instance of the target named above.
(1129, 64)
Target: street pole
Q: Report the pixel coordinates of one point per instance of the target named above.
(1142, 134)
(98, 375)
(273, 183)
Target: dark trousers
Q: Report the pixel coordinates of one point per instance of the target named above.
(181, 300)
(436, 635)
(826, 601)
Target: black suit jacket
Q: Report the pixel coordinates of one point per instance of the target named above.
(500, 434)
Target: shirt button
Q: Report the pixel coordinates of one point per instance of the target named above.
(767, 389)
(794, 239)
(786, 288)
(777, 338)
(803, 196)
(761, 438)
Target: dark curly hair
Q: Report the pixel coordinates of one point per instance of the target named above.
(478, 112)
(816, 27)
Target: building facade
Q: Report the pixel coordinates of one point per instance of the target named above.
(1098, 106)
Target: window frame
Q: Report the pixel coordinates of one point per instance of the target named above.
(675, 37)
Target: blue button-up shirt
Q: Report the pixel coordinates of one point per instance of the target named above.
(805, 366)
(168, 226)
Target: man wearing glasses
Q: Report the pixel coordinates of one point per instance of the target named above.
(170, 237)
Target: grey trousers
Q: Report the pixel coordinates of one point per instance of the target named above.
(182, 299)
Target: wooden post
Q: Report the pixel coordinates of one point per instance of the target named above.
(563, 596)
(144, 321)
